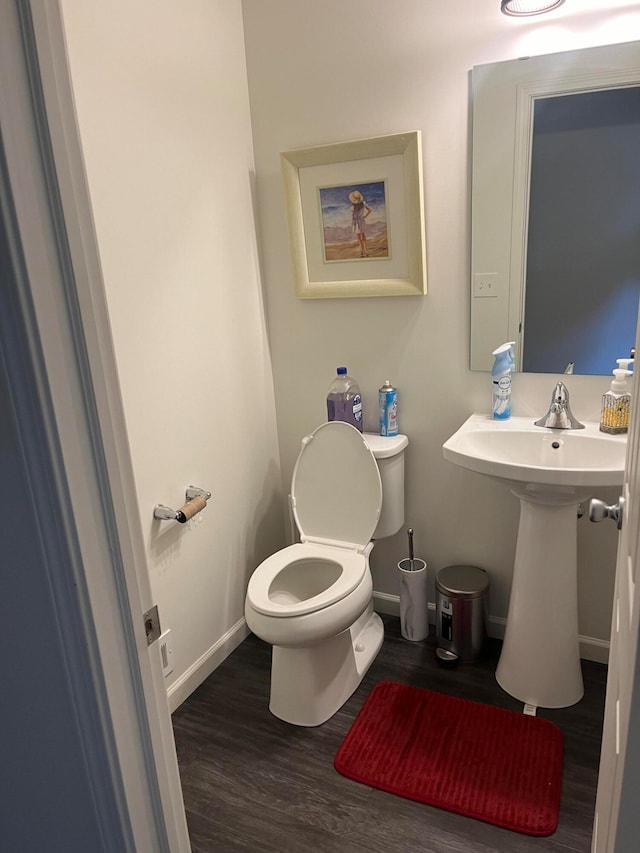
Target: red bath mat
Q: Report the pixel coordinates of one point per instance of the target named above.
(494, 765)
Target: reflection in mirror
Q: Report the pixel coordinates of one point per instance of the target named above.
(582, 279)
(556, 209)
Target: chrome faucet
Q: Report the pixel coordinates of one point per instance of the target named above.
(559, 415)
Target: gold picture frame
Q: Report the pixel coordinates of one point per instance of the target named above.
(355, 213)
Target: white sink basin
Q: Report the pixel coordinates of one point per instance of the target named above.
(550, 471)
(517, 450)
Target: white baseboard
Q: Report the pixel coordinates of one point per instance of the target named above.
(385, 603)
(591, 648)
(205, 665)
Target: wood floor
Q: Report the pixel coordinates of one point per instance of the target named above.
(254, 783)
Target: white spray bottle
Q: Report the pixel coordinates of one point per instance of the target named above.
(503, 367)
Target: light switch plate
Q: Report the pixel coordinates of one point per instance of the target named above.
(485, 284)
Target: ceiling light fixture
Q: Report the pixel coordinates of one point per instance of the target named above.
(522, 8)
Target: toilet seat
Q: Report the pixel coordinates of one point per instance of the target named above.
(336, 491)
(350, 568)
(336, 497)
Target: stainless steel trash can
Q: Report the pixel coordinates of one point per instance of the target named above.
(461, 610)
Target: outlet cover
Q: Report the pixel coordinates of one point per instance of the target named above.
(166, 652)
(485, 284)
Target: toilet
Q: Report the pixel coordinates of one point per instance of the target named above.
(313, 600)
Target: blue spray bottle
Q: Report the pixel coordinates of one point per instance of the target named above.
(503, 367)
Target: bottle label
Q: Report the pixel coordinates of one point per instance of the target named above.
(357, 408)
(388, 408)
(503, 386)
(615, 414)
(502, 397)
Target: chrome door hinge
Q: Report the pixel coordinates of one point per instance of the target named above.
(152, 624)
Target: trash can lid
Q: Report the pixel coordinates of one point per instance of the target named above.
(462, 581)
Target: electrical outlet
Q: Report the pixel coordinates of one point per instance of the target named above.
(485, 284)
(166, 652)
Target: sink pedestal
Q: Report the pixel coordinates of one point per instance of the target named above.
(551, 471)
(540, 660)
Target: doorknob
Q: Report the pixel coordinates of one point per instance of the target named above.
(598, 510)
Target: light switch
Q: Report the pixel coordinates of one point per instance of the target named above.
(485, 284)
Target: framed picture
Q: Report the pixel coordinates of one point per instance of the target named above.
(356, 218)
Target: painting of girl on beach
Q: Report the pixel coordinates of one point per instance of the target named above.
(354, 221)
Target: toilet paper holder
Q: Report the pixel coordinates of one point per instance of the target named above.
(196, 500)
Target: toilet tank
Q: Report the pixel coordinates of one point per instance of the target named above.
(389, 454)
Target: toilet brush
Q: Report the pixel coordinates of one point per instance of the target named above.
(414, 624)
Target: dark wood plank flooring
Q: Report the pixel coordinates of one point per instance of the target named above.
(254, 783)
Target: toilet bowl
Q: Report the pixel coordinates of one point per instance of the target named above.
(307, 593)
(313, 600)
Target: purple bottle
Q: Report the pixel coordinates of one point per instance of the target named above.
(344, 402)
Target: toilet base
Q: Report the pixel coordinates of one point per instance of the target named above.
(308, 685)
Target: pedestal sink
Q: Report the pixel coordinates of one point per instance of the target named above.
(551, 471)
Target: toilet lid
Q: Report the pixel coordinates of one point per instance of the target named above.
(336, 490)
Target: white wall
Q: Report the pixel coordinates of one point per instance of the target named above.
(162, 103)
(161, 93)
(334, 71)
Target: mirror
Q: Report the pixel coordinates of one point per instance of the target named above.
(555, 256)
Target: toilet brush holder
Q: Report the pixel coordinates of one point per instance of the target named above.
(414, 619)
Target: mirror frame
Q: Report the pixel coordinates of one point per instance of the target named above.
(504, 95)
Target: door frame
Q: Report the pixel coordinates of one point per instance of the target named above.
(616, 820)
(68, 343)
(63, 378)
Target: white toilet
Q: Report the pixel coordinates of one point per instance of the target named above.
(313, 600)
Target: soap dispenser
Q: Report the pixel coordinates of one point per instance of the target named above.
(616, 403)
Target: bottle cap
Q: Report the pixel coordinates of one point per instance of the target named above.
(342, 371)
